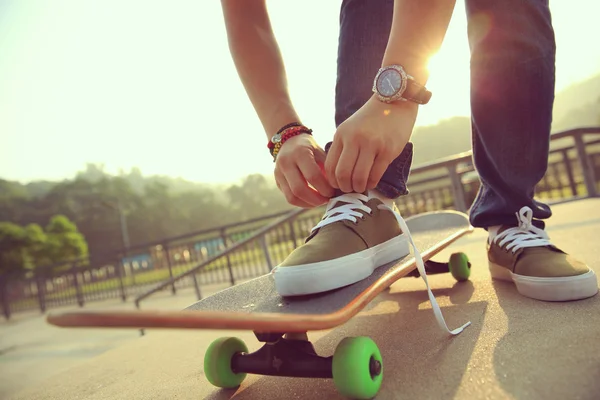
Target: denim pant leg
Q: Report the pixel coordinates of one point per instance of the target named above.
(364, 31)
(512, 94)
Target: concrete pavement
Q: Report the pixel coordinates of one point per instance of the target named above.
(515, 348)
(32, 350)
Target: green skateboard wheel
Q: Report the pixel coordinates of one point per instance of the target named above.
(459, 266)
(357, 368)
(217, 362)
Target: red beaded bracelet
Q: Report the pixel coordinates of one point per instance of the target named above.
(283, 135)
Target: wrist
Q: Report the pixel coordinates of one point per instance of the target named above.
(397, 106)
(281, 115)
(415, 65)
(393, 83)
(285, 133)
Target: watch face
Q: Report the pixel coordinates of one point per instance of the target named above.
(389, 82)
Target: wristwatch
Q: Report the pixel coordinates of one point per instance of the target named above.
(392, 83)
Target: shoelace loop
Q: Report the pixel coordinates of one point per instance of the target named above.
(524, 235)
(344, 212)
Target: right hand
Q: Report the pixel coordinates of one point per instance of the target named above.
(300, 163)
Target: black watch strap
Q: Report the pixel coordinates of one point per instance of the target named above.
(416, 93)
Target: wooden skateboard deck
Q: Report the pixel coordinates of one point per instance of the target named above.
(356, 365)
(256, 306)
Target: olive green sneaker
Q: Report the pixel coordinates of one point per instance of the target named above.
(357, 234)
(524, 255)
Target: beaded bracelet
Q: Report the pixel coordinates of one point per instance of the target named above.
(277, 137)
(285, 133)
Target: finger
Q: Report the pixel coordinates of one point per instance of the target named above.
(320, 157)
(362, 169)
(331, 162)
(314, 176)
(300, 189)
(283, 185)
(345, 167)
(380, 164)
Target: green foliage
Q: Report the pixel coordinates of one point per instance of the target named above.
(154, 208)
(64, 242)
(13, 244)
(37, 246)
(30, 246)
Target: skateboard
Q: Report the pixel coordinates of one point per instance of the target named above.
(282, 323)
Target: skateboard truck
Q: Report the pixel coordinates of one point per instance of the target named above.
(283, 357)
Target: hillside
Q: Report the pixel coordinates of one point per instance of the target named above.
(576, 106)
(447, 137)
(578, 102)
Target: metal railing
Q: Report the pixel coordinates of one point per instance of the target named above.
(450, 183)
(236, 252)
(122, 274)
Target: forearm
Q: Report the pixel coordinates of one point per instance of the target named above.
(418, 30)
(258, 61)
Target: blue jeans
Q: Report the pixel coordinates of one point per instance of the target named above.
(512, 94)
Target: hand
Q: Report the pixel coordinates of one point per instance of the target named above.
(300, 162)
(366, 143)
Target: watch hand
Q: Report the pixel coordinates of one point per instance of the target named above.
(389, 83)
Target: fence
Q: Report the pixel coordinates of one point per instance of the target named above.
(237, 252)
(120, 275)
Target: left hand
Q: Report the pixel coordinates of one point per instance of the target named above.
(366, 143)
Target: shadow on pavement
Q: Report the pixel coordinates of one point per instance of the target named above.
(550, 349)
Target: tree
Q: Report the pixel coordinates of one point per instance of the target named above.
(36, 243)
(13, 247)
(30, 247)
(64, 242)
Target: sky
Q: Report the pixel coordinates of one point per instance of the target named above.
(152, 84)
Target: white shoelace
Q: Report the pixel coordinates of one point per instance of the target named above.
(349, 212)
(524, 235)
(346, 211)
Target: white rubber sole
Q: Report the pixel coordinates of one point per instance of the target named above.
(334, 274)
(550, 289)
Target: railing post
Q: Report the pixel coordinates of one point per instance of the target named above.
(41, 292)
(586, 167)
(4, 295)
(265, 249)
(569, 171)
(168, 255)
(120, 271)
(197, 287)
(78, 292)
(225, 243)
(293, 233)
(458, 190)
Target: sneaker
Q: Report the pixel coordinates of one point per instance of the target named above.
(357, 235)
(524, 255)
